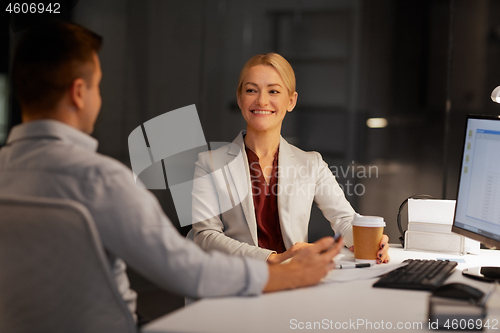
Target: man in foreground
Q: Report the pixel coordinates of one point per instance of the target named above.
(56, 75)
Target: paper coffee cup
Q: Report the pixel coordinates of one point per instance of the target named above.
(367, 232)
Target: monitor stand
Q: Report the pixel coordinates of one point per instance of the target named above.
(484, 273)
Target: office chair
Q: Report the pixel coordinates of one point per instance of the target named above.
(54, 275)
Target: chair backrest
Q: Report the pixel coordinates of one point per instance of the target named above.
(54, 275)
(188, 300)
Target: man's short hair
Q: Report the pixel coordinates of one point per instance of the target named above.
(48, 59)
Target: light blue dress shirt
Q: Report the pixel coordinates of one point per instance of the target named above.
(48, 158)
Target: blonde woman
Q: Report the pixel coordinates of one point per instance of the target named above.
(271, 222)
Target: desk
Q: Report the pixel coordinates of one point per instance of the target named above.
(337, 302)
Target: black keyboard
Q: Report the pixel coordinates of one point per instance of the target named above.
(418, 275)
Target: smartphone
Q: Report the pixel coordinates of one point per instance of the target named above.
(337, 237)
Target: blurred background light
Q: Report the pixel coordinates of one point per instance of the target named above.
(376, 122)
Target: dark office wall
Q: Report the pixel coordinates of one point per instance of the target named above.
(151, 61)
(472, 69)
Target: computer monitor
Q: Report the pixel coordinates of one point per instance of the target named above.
(477, 212)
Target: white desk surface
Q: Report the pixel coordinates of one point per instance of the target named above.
(331, 303)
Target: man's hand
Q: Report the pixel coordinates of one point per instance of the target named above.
(276, 258)
(307, 267)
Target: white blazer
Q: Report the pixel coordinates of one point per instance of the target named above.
(303, 178)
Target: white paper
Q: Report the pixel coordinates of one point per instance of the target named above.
(353, 274)
(431, 211)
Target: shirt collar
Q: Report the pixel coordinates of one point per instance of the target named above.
(253, 157)
(51, 129)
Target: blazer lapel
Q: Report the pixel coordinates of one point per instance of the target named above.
(242, 181)
(286, 184)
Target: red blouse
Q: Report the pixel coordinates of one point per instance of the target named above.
(265, 200)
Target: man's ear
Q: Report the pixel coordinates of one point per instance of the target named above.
(77, 93)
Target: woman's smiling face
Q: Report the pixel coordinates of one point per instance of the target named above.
(264, 98)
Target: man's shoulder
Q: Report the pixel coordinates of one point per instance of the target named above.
(94, 164)
(73, 160)
(58, 169)
(109, 165)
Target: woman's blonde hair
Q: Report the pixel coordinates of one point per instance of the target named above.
(280, 64)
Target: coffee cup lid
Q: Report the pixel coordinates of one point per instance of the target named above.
(368, 221)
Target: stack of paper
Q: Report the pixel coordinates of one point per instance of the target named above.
(429, 228)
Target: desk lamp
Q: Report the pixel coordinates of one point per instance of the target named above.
(477, 212)
(495, 95)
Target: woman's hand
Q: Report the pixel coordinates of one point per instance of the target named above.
(278, 258)
(383, 253)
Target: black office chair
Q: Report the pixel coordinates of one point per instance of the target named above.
(54, 275)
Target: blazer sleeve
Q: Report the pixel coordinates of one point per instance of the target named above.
(330, 198)
(208, 227)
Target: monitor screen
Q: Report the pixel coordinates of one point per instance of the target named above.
(477, 213)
